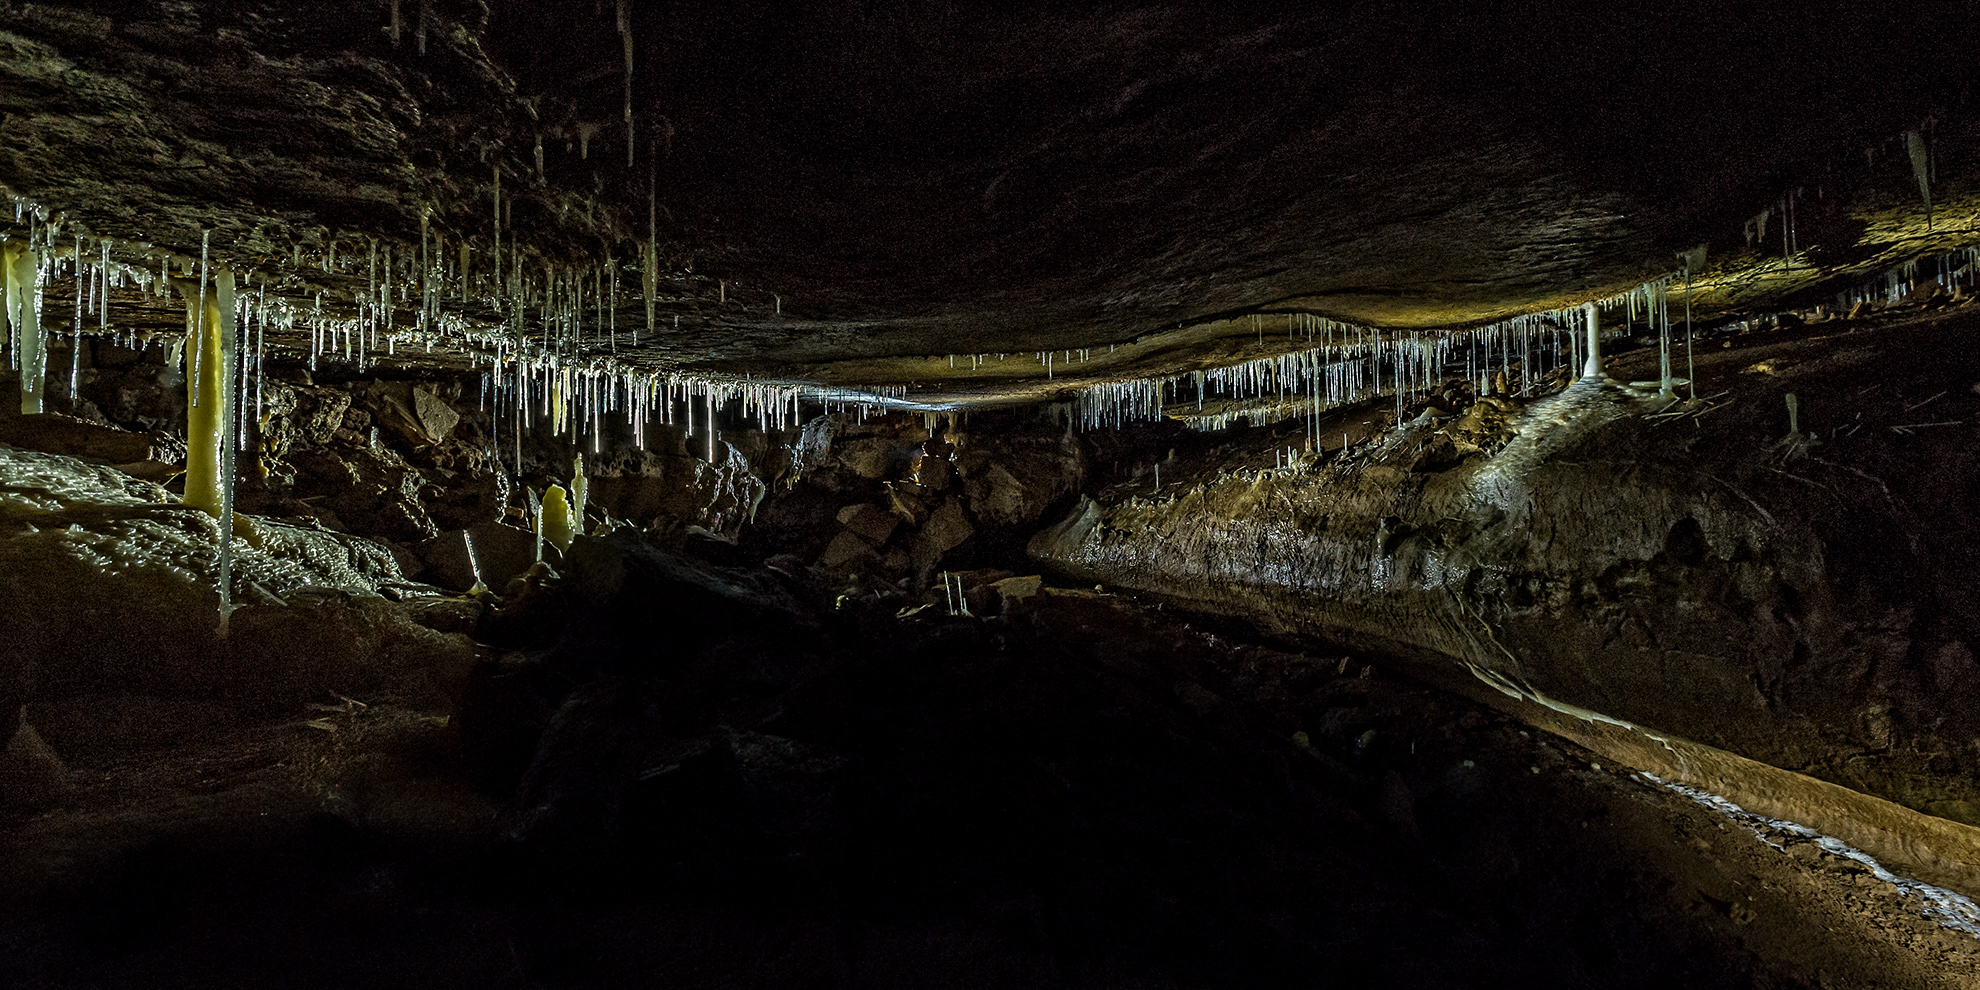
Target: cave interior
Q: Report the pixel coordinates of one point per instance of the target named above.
(895, 494)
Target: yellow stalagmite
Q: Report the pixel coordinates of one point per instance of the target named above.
(556, 527)
(206, 397)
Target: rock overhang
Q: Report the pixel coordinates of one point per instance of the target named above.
(879, 201)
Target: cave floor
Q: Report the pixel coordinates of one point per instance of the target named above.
(1091, 793)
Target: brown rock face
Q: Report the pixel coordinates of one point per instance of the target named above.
(640, 485)
(945, 530)
(1014, 477)
(153, 456)
(869, 522)
(414, 413)
(500, 553)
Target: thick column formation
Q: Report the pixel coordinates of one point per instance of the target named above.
(209, 420)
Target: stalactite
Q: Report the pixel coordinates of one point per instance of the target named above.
(24, 312)
(226, 331)
(207, 381)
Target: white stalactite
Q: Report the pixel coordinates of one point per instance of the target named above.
(1592, 364)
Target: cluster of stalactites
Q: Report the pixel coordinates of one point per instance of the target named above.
(1955, 269)
(557, 334)
(552, 348)
(1350, 364)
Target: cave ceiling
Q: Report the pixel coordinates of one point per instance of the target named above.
(853, 192)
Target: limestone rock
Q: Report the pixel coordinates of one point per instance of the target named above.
(112, 584)
(846, 552)
(813, 445)
(501, 551)
(412, 413)
(908, 501)
(945, 530)
(1688, 587)
(639, 485)
(1012, 592)
(872, 458)
(1013, 478)
(593, 568)
(869, 522)
(152, 456)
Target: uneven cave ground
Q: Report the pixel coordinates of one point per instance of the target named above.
(696, 761)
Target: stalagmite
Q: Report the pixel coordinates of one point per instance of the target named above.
(556, 526)
(474, 564)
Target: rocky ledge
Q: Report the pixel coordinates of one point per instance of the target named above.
(1780, 567)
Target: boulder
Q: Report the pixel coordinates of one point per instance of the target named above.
(151, 456)
(946, 529)
(868, 522)
(873, 458)
(1013, 593)
(501, 552)
(846, 553)
(1012, 478)
(908, 501)
(412, 413)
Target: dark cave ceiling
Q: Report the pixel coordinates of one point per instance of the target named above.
(843, 189)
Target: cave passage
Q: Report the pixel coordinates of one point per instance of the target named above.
(503, 494)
